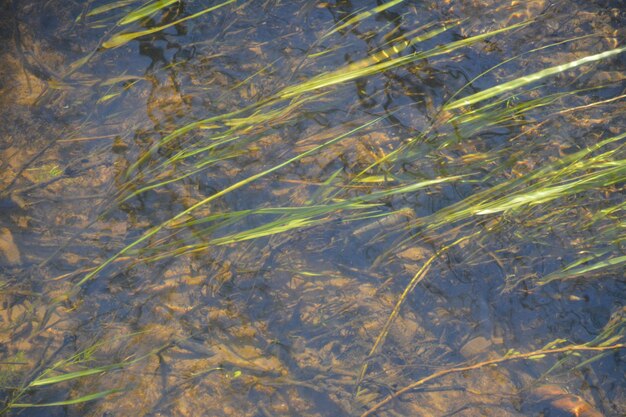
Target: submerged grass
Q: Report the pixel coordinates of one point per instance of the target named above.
(153, 231)
(543, 193)
(531, 78)
(534, 355)
(369, 66)
(123, 38)
(581, 172)
(354, 20)
(63, 371)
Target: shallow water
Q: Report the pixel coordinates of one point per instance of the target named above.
(237, 306)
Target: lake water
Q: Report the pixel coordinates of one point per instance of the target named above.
(300, 208)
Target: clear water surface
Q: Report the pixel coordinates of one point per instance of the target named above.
(278, 234)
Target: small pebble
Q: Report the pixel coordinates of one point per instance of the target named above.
(8, 248)
(475, 347)
(556, 401)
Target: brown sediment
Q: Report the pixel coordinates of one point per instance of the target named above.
(8, 248)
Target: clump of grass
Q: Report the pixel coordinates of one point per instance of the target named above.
(574, 174)
(551, 187)
(370, 66)
(76, 367)
(123, 38)
(597, 167)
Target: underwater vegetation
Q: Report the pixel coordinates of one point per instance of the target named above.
(316, 208)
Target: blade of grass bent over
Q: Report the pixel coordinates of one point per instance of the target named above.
(43, 380)
(377, 64)
(83, 399)
(371, 65)
(502, 196)
(298, 217)
(522, 81)
(470, 82)
(363, 15)
(582, 270)
(154, 230)
(146, 11)
(123, 38)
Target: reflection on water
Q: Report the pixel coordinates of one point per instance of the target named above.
(277, 208)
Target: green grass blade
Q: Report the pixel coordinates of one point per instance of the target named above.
(154, 230)
(373, 64)
(470, 82)
(73, 375)
(300, 217)
(363, 16)
(582, 270)
(83, 399)
(522, 81)
(514, 193)
(368, 66)
(146, 11)
(123, 38)
(452, 46)
(79, 357)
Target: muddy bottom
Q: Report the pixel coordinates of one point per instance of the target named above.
(269, 208)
